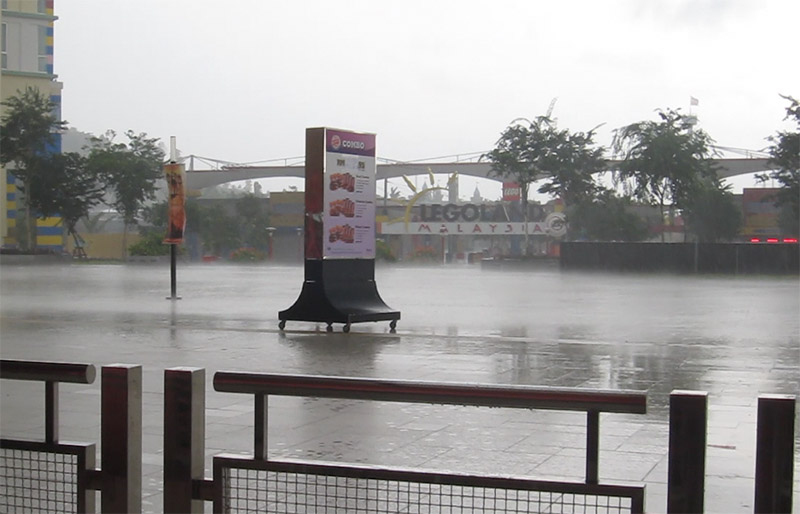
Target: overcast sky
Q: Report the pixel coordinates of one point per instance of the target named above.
(240, 80)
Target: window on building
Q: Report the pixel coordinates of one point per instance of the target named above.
(5, 5)
(41, 6)
(42, 49)
(4, 43)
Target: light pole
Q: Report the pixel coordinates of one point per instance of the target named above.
(443, 232)
(300, 244)
(270, 231)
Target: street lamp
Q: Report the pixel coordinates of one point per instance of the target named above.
(443, 232)
(300, 244)
(270, 231)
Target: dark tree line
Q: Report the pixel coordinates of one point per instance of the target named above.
(666, 163)
(222, 227)
(784, 153)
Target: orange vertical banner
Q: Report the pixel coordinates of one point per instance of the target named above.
(176, 215)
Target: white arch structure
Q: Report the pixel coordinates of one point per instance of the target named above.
(199, 179)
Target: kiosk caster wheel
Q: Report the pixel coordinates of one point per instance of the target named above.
(329, 328)
(282, 324)
(346, 328)
(393, 326)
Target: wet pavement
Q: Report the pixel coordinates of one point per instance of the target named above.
(734, 337)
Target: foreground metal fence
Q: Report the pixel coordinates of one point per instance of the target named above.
(248, 485)
(54, 476)
(260, 484)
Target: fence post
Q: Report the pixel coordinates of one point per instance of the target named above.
(687, 451)
(260, 427)
(51, 411)
(184, 437)
(87, 463)
(592, 446)
(774, 453)
(121, 438)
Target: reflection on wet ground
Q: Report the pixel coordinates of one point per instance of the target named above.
(735, 337)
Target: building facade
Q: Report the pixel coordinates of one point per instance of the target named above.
(27, 61)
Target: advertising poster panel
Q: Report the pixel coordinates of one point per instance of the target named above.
(175, 206)
(348, 227)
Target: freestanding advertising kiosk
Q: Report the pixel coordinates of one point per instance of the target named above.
(339, 285)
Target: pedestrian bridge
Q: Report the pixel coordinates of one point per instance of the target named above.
(199, 179)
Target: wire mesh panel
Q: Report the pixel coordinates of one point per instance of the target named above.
(39, 478)
(328, 489)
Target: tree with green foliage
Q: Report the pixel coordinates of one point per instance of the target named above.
(153, 230)
(28, 134)
(526, 153)
(155, 218)
(607, 217)
(253, 220)
(130, 170)
(785, 155)
(70, 190)
(665, 161)
(219, 231)
(711, 213)
(512, 158)
(571, 166)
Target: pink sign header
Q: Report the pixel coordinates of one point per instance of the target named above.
(340, 141)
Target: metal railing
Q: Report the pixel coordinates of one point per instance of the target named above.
(54, 476)
(51, 475)
(346, 487)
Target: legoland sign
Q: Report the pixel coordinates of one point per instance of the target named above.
(453, 212)
(554, 225)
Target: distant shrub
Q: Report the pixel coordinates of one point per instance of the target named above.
(383, 252)
(151, 244)
(425, 254)
(247, 254)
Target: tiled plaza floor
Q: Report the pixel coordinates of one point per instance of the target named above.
(734, 337)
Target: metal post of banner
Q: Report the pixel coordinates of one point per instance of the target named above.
(173, 272)
(173, 246)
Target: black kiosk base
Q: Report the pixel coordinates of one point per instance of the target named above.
(339, 291)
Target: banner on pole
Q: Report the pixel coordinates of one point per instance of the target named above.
(176, 215)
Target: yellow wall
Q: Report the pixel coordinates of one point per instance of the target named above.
(48, 239)
(27, 6)
(13, 85)
(287, 219)
(4, 206)
(103, 246)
